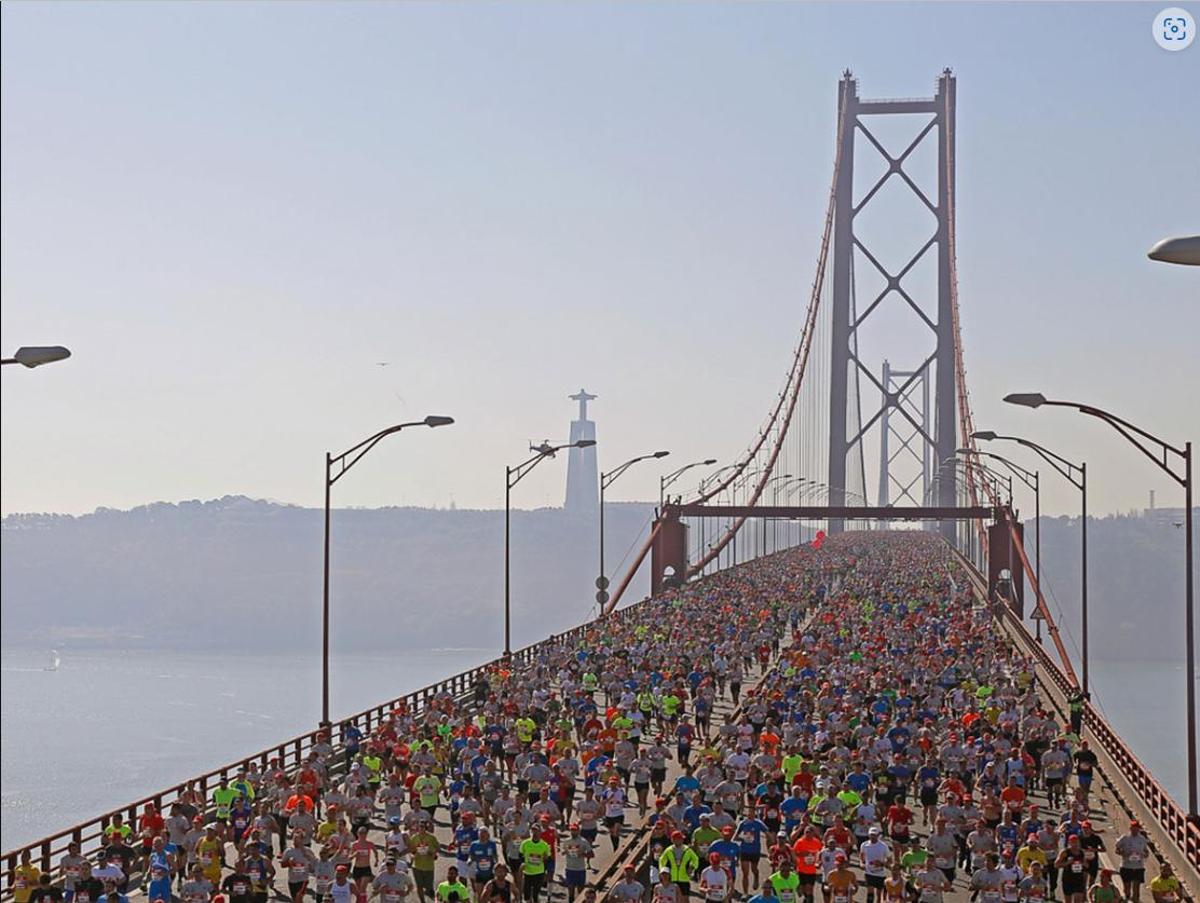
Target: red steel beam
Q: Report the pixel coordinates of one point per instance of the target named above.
(822, 512)
(611, 605)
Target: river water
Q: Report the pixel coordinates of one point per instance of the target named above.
(112, 726)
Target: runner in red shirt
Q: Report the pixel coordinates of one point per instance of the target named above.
(899, 820)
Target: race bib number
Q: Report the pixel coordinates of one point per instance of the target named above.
(240, 889)
(1076, 867)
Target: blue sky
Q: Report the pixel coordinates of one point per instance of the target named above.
(231, 212)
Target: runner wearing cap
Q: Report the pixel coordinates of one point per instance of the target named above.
(680, 862)
(665, 891)
(1133, 848)
(392, 884)
(873, 856)
(1073, 862)
(716, 884)
(627, 888)
(1092, 845)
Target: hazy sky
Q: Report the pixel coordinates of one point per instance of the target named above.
(232, 211)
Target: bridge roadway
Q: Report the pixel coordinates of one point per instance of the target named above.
(608, 863)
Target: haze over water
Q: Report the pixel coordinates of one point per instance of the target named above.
(112, 726)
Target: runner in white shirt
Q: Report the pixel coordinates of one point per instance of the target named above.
(714, 881)
(873, 855)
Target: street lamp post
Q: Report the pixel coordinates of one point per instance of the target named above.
(36, 355)
(787, 497)
(606, 480)
(1032, 479)
(664, 482)
(1076, 475)
(1161, 453)
(972, 463)
(345, 461)
(775, 501)
(513, 476)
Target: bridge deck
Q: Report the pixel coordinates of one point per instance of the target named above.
(788, 570)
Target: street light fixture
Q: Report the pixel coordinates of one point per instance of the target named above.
(36, 355)
(1032, 479)
(1184, 250)
(1076, 475)
(606, 480)
(774, 501)
(1171, 460)
(664, 482)
(345, 461)
(513, 476)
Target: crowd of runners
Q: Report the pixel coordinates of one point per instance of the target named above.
(844, 722)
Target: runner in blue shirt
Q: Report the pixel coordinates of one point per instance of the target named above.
(691, 815)
(749, 834)
(465, 836)
(858, 779)
(483, 854)
(793, 809)
(729, 850)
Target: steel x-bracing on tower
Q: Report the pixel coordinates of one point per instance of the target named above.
(911, 485)
(846, 432)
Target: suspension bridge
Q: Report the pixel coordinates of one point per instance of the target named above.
(870, 429)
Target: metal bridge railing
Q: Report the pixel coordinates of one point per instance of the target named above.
(1168, 814)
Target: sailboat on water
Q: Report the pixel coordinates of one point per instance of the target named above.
(55, 661)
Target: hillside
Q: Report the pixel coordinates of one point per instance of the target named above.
(241, 573)
(237, 572)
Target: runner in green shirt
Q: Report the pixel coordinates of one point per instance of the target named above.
(785, 881)
(534, 853)
(424, 845)
(223, 799)
(428, 788)
(452, 890)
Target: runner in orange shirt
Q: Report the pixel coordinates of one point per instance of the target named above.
(808, 860)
